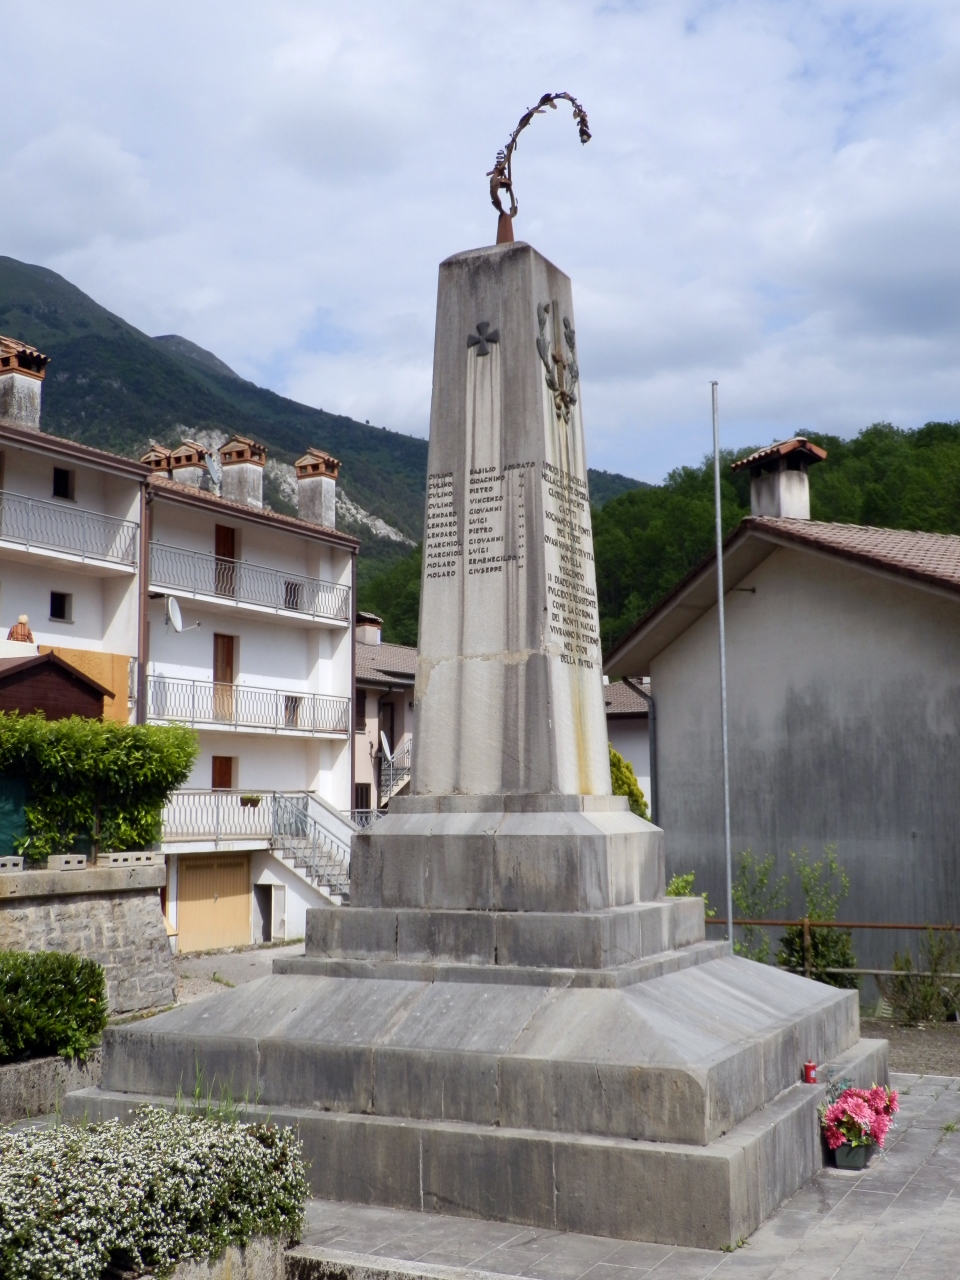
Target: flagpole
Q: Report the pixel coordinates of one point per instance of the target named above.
(723, 663)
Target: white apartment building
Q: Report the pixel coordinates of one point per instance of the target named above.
(242, 627)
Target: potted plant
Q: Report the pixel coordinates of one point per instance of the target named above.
(856, 1121)
(250, 802)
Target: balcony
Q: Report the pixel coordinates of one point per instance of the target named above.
(238, 584)
(206, 821)
(66, 532)
(204, 704)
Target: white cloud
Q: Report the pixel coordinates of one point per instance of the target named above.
(769, 197)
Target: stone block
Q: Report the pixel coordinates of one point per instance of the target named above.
(355, 931)
(562, 859)
(427, 1085)
(492, 1174)
(464, 937)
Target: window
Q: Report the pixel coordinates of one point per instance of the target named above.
(63, 486)
(61, 606)
(361, 795)
(361, 711)
(222, 773)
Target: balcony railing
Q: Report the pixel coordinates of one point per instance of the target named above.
(235, 706)
(59, 526)
(239, 582)
(395, 772)
(282, 818)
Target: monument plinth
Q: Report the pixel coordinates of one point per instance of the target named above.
(511, 1020)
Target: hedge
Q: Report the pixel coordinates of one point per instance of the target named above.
(92, 781)
(164, 1188)
(49, 1004)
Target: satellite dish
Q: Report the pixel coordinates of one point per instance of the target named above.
(174, 616)
(386, 746)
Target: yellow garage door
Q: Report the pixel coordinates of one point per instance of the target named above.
(213, 902)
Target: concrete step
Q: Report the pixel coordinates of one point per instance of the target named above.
(624, 975)
(604, 939)
(707, 1196)
(683, 1057)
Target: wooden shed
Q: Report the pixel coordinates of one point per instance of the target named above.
(46, 683)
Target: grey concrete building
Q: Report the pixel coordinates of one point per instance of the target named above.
(843, 659)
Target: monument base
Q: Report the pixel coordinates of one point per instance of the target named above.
(510, 1136)
(519, 1025)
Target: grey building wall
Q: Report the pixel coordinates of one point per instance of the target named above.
(844, 696)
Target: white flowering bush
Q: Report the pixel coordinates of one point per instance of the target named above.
(143, 1196)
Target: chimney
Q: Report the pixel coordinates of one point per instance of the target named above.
(241, 471)
(317, 489)
(368, 628)
(157, 458)
(779, 485)
(188, 464)
(21, 378)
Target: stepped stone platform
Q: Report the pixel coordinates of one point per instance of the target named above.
(637, 1082)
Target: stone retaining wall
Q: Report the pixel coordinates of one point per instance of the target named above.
(108, 914)
(36, 1088)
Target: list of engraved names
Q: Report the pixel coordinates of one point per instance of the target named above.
(571, 595)
(443, 547)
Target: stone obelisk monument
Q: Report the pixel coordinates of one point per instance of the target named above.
(509, 624)
(511, 1020)
(510, 739)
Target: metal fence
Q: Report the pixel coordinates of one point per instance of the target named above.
(60, 526)
(207, 702)
(197, 573)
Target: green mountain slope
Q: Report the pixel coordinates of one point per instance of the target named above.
(112, 386)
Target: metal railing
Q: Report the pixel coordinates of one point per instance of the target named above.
(364, 818)
(324, 858)
(59, 526)
(237, 706)
(197, 573)
(394, 773)
(281, 818)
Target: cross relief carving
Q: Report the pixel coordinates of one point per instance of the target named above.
(483, 337)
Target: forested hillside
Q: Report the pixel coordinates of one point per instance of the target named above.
(647, 539)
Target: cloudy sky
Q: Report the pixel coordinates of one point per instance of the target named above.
(770, 198)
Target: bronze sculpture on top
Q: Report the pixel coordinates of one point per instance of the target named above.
(511, 1020)
(501, 175)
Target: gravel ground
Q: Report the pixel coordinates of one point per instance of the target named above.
(207, 973)
(930, 1048)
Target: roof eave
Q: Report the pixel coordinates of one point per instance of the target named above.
(744, 549)
(165, 491)
(73, 451)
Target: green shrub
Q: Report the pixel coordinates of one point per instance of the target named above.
(756, 894)
(929, 995)
(166, 1187)
(681, 886)
(49, 1004)
(625, 784)
(92, 781)
(824, 885)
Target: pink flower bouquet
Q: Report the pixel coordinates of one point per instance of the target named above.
(859, 1117)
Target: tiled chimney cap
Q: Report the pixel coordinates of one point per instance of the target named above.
(242, 449)
(157, 457)
(23, 358)
(317, 463)
(188, 454)
(798, 450)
